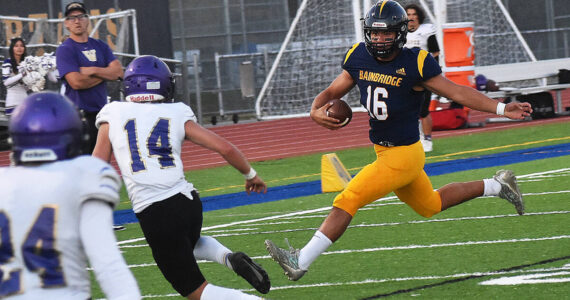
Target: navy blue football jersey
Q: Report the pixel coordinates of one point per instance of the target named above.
(386, 91)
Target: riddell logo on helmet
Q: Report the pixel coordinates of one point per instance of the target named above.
(379, 24)
(144, 98)
(38, 155)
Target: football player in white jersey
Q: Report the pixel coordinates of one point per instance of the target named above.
(56, 210)
(146, 135)
(422, 35)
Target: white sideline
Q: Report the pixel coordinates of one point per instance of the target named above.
(408, 247)
(397, 279)
(317, 210)
(382, 280)
(394, 224)
(469, 243)
(431, 277)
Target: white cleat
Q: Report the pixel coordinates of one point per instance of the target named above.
(510, 189)
(288, 260)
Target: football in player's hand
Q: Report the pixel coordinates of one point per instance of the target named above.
(340, 110)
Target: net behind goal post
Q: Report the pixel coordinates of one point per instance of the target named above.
(42, 36)
(117, 29)
(323, 30)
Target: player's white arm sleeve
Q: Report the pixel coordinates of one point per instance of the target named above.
(10, 81)
(98, 238)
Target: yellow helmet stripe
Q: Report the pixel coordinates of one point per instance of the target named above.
(421, 58)
(381, 7)
(350, 52)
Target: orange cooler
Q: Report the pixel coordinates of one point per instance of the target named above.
(459, 52)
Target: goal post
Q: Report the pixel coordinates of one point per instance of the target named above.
(323, 30)
(497, 39)
(310, 57)
(117, 29)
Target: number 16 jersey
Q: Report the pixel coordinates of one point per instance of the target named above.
(386, 91)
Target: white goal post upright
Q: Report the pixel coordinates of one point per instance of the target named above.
(310, 57)
(516, 30)
(323, 30)
(278, 58)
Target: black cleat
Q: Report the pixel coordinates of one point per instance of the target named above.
(250, 271)
(118, 228)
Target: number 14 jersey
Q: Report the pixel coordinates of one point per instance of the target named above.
(147, 140)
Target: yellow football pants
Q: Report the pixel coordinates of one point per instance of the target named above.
(396, 169)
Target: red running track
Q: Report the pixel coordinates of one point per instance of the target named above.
(283, 138)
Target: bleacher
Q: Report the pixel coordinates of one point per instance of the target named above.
(539, 76)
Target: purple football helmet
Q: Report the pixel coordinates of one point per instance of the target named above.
(148, 79)
(45, 127)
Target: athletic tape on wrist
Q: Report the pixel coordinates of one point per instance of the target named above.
(501, 109)
(250, 175)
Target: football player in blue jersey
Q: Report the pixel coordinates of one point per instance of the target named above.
(391, 80)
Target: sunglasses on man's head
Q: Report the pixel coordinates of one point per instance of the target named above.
(77, 17)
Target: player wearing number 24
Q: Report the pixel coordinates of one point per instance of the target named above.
(391, 80)
(56, 209)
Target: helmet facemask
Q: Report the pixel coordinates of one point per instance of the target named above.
(378, 49)
(385, 16)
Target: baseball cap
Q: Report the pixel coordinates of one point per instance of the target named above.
(481, 82)
(75, 6)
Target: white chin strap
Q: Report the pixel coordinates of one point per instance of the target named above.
(144, 98)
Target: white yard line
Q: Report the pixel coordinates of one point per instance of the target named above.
(468, 243)
(123, 244)
(398, 279)
(230, 233)
(406, 247)
(299, 213)
(544, 173)
(431, 277)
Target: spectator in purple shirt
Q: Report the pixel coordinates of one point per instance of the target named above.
(85, 64)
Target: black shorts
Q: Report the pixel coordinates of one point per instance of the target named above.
(172, 229)
(91, 129)
(424, 111)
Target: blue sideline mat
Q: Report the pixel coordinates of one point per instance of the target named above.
(314, 187)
